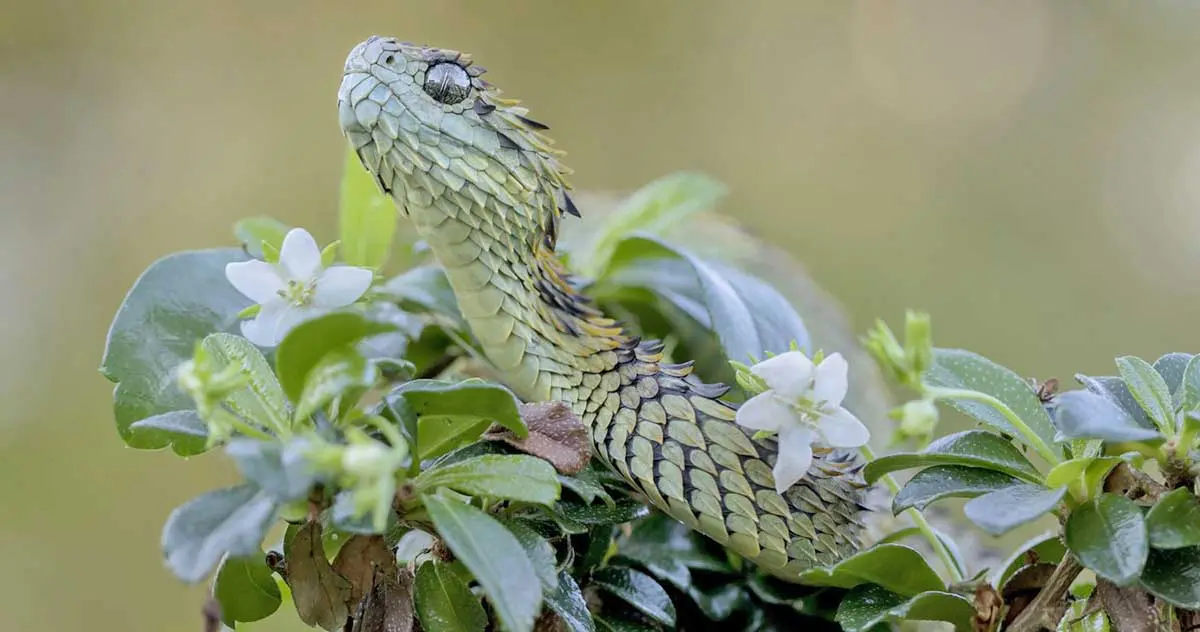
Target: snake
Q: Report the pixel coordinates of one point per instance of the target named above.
(487, 191)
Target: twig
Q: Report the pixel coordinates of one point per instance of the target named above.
(1045, 611)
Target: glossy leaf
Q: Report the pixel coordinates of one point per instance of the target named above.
(949, 481)
(1002, 511)
(200, 532)
(1174, 521)
(956, 368)
(253, 231)
(246, 589)
(177, 301)
(368, 218)
(972, 448)
(183, 428)
(1086, 415)
(895, 567)
(493, 555)
(311, 340)
(638, 590)
(341, 373)
(1188, 394)
(445, 602)
(1171, 367)
(1108, 535)
(473, 398)
(624, 510)
(1081, 617)
(1149, 389)
(869, 605)
(1174, 576)
(261, 401)
(1047, 548)
(567, 601)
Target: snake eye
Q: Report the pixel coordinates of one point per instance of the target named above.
(447, 82)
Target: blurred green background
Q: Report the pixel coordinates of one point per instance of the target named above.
(1025, 170)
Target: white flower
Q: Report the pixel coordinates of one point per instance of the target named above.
(803, 404)
(295, 289)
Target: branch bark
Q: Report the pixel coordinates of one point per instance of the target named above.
(1045, 611)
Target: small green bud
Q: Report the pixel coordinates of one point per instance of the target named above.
(270, 252)
(883, 346)
(250, 312)
(918, 341)
(918, 418)
(366, 460)
(330, 253)
(745, 378)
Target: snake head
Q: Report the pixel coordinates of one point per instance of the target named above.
(434, 134)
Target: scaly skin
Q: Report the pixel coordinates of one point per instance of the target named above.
(486, 191)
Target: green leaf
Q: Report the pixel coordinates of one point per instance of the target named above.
(1174, 521)
(253, 231)
(311, 340)
(895, 567)
(624, 510)
(719, 602)
(956, 368)
(1115, 390)
(180, 426)
(1086, 415)
(368, 218)
(178, 300)
(319, 593)
(541, 554)
(261, 401)
(972, 448)
(727, 296)
(1171, 367)
(493, 555)
(1047, 548)
(341, 373)
(200, 532)
(1189, 391)
(453, 414)
(586, 489)
(438, 435)
(1150, 390)
(1174, 576)
(281, 470)
(445, 602)
(1002, 511)
(949, 481)
(1091, 470)
(508, 476)
(638, 590)
(869, 605)
(624, 622)
(653, 209)
(425, 289)
(1108, 535)
(566, 600)
(246, 589)
(1078, 618)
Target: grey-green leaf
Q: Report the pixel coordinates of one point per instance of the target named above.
(1086, 415)
(509, 476)
(261, 401)
(638, 590)
(184, 428)
(1174, 576)
(177, 301)
(1171, 367)
(1188, 394)
(340, 373)
(1150, 390)
(869, 605)
(1002, 511)
(473, 398)
(311, 340)
(493, 555)
(1174, 521)
(281, 470)
(956, 368)
(226, 521)
(1108, 535)
(253, 231)
(445, 602)
(566, 600)
(540, 553)
(896, 567)
(949, 481)
(1115, 390)
(973, 448)
(246, 589)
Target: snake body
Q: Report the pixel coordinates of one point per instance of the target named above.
(487, 191)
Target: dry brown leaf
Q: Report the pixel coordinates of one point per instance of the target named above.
(319, 593)
(556, 434)
(357, 561)
(1129, 609)
(987, 609)
(388, 607)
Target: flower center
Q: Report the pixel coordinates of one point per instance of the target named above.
(806, 409)
(299, 294)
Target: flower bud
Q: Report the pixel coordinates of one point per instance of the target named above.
(918, 418)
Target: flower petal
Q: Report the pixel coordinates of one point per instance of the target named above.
(299, 255)
(292, 317)
(341, 285)
(257, 280)
(829, 381)
(789, 373)
(841, 429)
(765, 412)
(795, 457)
(261, 329)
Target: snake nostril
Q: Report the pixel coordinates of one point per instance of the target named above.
(389, 59)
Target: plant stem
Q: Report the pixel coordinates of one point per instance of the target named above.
(1016, 422)
(921, 523)
(1045, 611)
